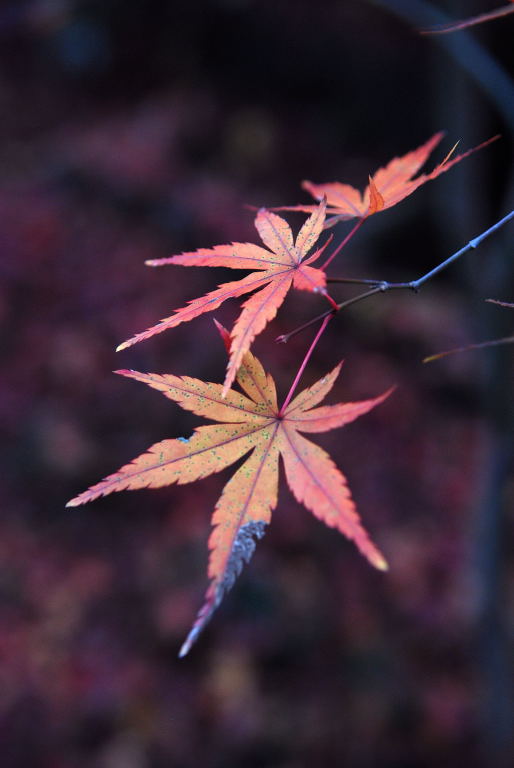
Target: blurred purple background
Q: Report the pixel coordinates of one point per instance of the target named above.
(133, 130)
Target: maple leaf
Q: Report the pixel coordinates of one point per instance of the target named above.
(249, 421)
(387, 187)
(282, 266)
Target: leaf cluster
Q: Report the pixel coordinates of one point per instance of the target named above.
(250, 423)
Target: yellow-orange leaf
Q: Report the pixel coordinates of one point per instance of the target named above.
(248, 422)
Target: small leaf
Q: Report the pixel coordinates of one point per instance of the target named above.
(281, 267)
(388, 186)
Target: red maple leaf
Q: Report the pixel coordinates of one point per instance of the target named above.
(282, 266)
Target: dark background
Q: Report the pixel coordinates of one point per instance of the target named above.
(137, 129)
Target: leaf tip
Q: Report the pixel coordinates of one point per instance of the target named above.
(121, 346)
(380, 563)
(450, 153)
(376, 201)
(189, 641)
(184, 650)
(225, 335)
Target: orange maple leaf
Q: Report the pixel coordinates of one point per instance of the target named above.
(248, 422)
(387, 187)
(282, 266)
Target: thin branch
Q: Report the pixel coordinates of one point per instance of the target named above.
(301, 369)
(501, 303)
(472, 244)
(481, 345)
(353, 280)
(455, 26)
(466, 51)
(382, 286)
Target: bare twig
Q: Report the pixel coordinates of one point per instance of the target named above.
(468, 347)
(501, 303)
(465, 50)
(455, 26)
(382, 286)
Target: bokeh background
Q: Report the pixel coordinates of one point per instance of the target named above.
(137, 129)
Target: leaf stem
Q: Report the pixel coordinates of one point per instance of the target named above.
(342, 244)
(331, 301)
(326, 319)
(382, 286)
